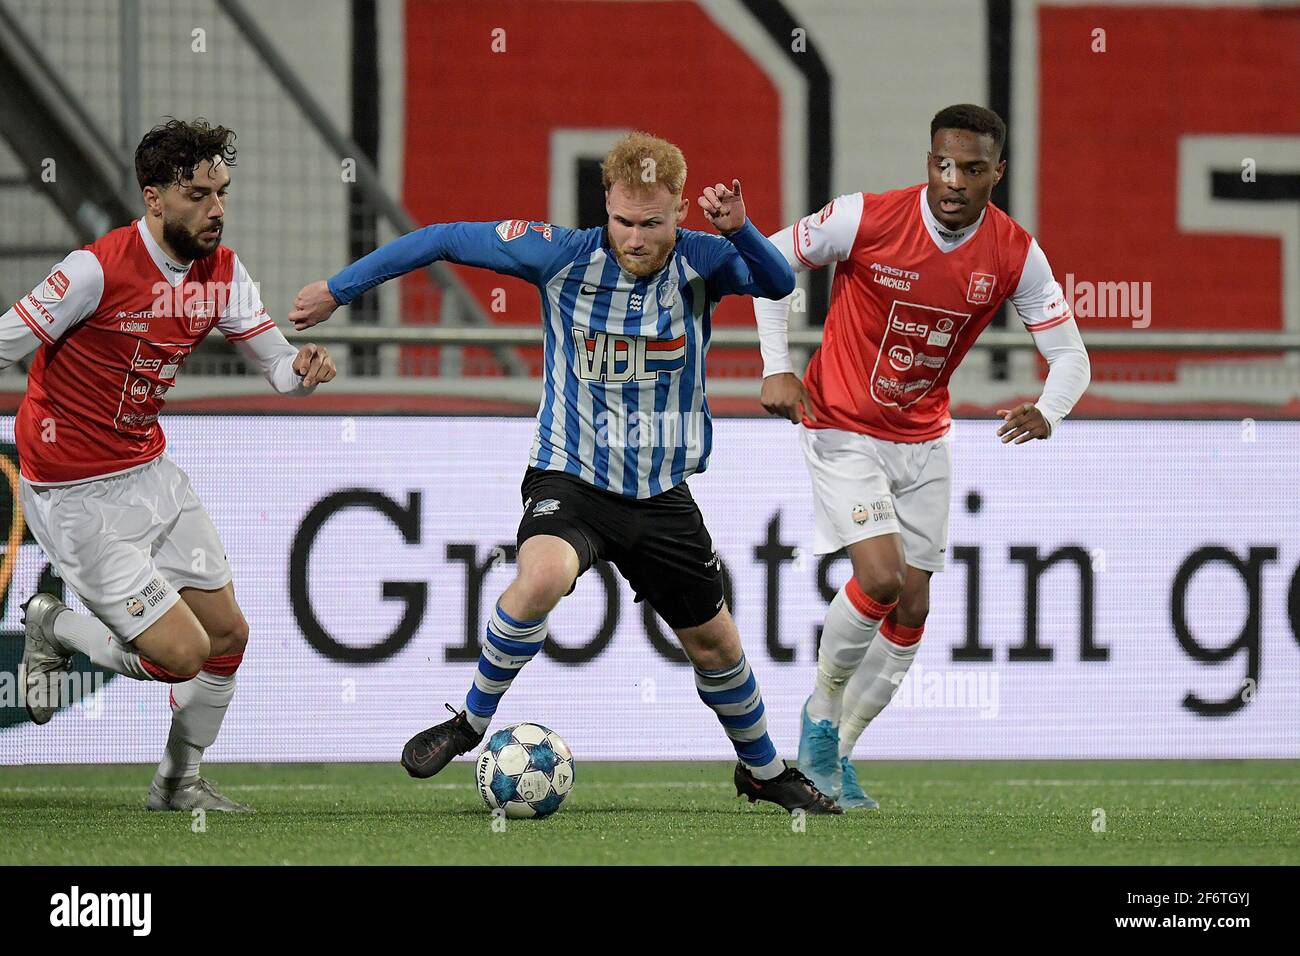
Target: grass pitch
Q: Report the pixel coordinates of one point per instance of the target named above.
(1031, 813)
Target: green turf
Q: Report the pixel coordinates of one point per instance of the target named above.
(1156, 812)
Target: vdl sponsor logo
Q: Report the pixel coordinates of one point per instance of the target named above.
(606, 357)
(77, 909)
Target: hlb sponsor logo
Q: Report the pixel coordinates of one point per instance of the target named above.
(900, 356)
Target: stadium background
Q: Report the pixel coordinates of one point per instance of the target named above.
(1169, 162)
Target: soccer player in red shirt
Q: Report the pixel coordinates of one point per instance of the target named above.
(919, 273)
(114, 323)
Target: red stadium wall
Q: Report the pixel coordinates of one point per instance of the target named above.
(1109, 126)
(478, 125)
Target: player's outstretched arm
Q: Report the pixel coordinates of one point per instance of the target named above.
(754, 267)
(826, 236)
(294, 372)
(69, 294)
(1040, 303)
(511, 247)
(17, 341)
(784, 395)
(245, 324)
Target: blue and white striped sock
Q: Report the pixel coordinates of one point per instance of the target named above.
(508, 646)
(732, 693)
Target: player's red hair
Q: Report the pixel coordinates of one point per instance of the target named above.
(640, 161)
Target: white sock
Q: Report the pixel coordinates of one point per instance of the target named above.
(81, 632)
(198, 707)
(852, 620)
(876, 681)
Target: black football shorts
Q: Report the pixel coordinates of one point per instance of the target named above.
(659, 544)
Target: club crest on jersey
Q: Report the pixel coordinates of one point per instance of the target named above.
(980, 289)
(134, 607)
(667, 295)
(512, 229)
(199, 314)
(54, 287)
(605, 357)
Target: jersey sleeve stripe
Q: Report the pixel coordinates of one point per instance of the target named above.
(1049, 323)
(799, 255)
(249, 333)
(32, 323)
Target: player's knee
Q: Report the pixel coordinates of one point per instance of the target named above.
(882, 582)
(912, 609)
(184, 658)
(233, 640)
(541, 586)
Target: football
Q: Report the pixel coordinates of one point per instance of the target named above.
(525, 770)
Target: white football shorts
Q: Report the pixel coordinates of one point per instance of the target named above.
(128, 543)
(864, 487)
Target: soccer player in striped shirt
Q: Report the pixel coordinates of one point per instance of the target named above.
(919, 273)
(623, 423)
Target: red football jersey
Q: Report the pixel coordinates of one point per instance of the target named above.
(908, 299)
(117, 320)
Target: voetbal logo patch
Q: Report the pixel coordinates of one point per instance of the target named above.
(54, 287)
(512, 229)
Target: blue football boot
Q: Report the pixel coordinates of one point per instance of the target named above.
(853, 797)
(819, 753)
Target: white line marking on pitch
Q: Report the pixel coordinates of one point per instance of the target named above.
(687, 785)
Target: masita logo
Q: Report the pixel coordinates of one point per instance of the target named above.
(76, 909)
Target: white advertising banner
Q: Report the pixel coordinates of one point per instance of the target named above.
(1126, 589)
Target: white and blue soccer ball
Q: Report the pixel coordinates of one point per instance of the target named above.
(525, 770)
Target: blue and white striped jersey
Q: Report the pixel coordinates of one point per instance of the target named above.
(623, 404)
